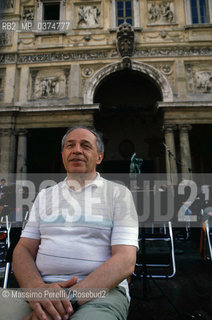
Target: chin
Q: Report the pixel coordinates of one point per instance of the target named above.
(76, 170)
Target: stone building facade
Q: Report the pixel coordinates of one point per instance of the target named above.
(146, 84)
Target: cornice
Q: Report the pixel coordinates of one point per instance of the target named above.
(47, 108)
(177, 105)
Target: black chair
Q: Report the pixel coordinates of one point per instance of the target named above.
(12, 237)
(156, 254)
(206, 234)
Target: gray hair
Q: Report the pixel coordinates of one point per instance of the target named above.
(98, 135)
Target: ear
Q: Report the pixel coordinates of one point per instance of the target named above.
(100, 158)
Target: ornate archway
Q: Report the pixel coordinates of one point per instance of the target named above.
(146, 69)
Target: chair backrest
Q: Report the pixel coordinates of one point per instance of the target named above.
(207, 215)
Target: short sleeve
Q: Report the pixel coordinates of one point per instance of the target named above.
(125, 219)
(32, 228)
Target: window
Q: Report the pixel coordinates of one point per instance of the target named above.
(124, 12)
(51, 11)
(199, 11)
(48, 11)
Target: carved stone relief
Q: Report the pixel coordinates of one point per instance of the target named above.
(167, 70)
(160, 12)
(87, 71)
(204, 81)
(87, 37)
(165, 35)
(88, 16)
(199, 81)
(6, 38)
(49, 83)
(125, 40)
(28, 13)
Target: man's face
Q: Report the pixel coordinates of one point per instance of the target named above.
(80, 153)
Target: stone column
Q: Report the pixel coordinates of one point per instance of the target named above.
(21, 166)
(171, 166)
(185, 152)
(7, 151)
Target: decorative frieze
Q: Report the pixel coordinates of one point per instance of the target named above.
(174, 52)
(63, 56)
(170, 36)
(8, 58)
(160, 12)
(104, 54)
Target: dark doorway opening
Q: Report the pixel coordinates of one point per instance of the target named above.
(44, 150)
(130, 122)
(201, 148)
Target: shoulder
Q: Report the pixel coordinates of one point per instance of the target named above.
(117, 187)
(50, 190)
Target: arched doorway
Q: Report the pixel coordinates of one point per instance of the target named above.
(130, 121)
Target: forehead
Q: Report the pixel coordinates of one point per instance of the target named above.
(81, 134)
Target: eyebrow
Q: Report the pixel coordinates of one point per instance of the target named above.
(81, 141)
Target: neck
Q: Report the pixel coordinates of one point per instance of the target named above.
(78, 180)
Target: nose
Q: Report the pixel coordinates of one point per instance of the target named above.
(77, 149)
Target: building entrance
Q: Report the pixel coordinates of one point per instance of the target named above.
(130, 121)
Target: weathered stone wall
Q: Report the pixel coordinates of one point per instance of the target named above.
(63, 67)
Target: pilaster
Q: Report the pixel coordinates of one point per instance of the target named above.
(185, 152)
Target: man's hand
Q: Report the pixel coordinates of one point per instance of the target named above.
(33, 316)
(48, 309)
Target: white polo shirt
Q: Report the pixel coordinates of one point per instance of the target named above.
(78, 228)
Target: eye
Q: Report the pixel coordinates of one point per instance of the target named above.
(86, 146)
(69, 145)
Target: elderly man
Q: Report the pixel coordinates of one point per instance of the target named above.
(82, 233)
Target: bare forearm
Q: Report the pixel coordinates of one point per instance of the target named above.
(109, 274)
(25, 269)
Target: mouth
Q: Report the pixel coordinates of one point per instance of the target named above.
(77, 160)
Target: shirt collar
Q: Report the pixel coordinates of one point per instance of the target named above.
(97, 182)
